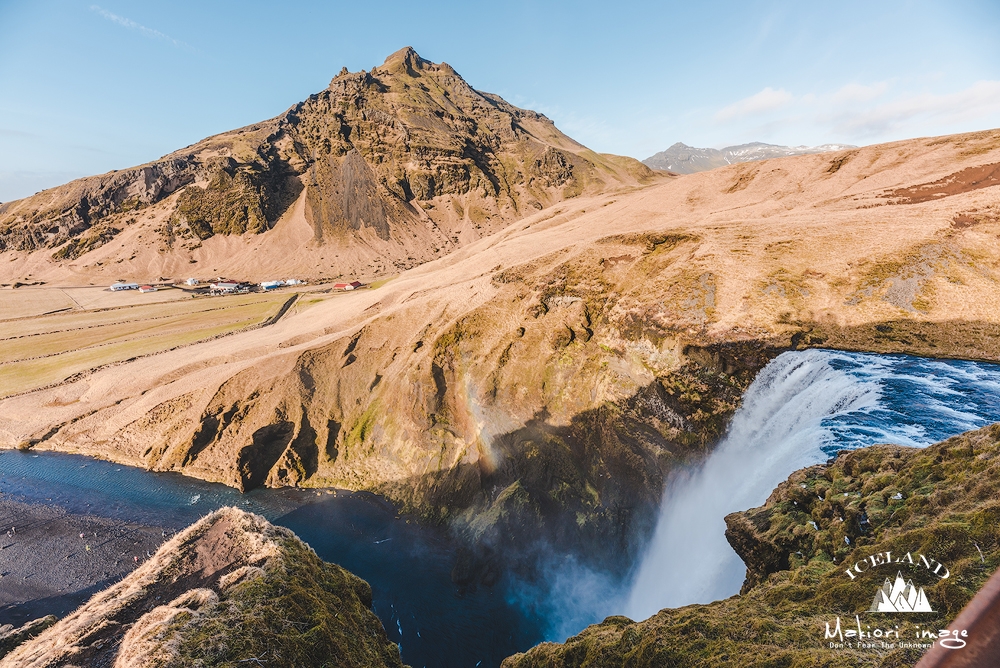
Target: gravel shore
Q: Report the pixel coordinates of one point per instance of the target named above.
(46, 567)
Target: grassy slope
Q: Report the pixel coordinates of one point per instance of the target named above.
(47, 350)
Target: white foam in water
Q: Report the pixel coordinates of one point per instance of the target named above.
(799, 403)
(776, 430)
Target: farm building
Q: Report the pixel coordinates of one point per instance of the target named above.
(147, 288)
(192, 281)
(347, 286)
(124, 286)
(224, 286)
(271, 285)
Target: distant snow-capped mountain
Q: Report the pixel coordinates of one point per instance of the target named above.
(685, 159)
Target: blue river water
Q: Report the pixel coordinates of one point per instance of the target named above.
(407, 564)
(804, 407)
(919, 401)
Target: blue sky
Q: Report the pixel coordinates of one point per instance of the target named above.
(88, 87)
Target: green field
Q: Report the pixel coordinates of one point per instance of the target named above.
(40, 351)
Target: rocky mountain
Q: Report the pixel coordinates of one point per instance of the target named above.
(230, 586)
(382, 170)
(683, 159)
(919, 501)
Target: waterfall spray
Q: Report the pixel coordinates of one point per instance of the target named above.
(777, 430)
(802, 408)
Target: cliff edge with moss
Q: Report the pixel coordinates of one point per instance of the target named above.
(931, 506)
(231, 588)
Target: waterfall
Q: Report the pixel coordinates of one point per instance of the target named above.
(776, 430)
(802, 408)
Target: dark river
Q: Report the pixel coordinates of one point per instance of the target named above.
(407, 565)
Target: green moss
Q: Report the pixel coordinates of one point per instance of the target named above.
(14, 638)
(302, 612)
(362, 428)
(95, 238)
(780, 617)
(236, 200)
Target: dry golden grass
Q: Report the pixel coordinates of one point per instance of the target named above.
(37, 360)
(72, 320)
(26, 303)
(565, 310)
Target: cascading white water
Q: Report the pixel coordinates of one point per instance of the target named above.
(776, 430)
(803, 407)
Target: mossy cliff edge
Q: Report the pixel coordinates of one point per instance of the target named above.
(230, 588)
(939, 505)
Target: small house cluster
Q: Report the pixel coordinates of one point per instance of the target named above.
(271, 285)
(354, 285)
(117, 287)
(225, 288)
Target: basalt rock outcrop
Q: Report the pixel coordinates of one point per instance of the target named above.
(934, 510)
(406, 161)
(227, 589)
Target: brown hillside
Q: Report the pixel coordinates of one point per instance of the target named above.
(559, 368)
(382, 170)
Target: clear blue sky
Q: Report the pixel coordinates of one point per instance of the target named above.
(89, 87)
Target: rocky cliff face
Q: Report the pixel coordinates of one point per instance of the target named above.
(940, 502)
(407, 158)
(229, 587)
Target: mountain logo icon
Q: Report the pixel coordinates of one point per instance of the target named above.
(900, 596)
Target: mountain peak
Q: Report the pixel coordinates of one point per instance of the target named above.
(684, 159)
(407, 55)
(389, 168)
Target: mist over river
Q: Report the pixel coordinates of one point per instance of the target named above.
(802, 408)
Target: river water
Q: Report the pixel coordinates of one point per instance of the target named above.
(407, 565)
(803, 407)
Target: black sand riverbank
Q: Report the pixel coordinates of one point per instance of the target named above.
(46, 567)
